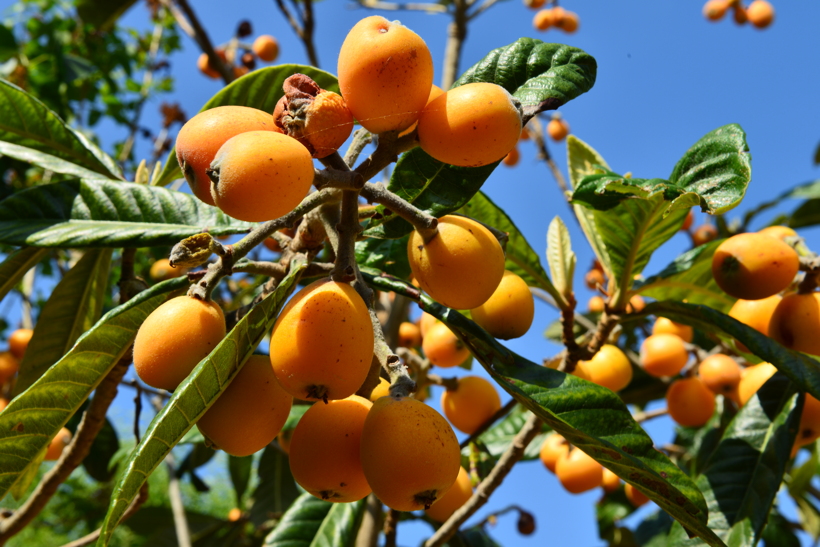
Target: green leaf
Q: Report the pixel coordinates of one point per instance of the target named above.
(193, 397)
(560, 257)
(15, 266)
(499, 437)
(717, 167)
(613, 507)
(239, 467)
(589, 416)
(802, 369)
(809, 190)
(260, 89)
(74, 306)
(434, 187)
(807, 214)
(540, 75)
(689, 277)
(388, 255)
(582, 161)
(779, 532)
(8, 44)
(33, 418)
(521, 259)
(743, 475)
(296, 413)
(276, 490)
(30, 132)
(102, 14)
(714, 174)
(311, 522)
(105, 446)
(19, 488)
(106, 213)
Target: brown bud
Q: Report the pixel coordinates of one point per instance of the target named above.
(244, 29)
(192, 251)
(526, 523)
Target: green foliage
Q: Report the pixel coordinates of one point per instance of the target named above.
(31, 420)
(311, 522)
(106, 213)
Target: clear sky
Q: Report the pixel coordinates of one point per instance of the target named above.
(666, 76)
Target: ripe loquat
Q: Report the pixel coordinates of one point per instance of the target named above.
(409, 335)
(752, 379)
(690, 402)
(471, 404)
(578, 472)
(554, 447)
(609, 368)
(443, 348)
(795, 322)
(266, 48)
(760, 13)
(18, 342)
(663, 325)
(509, 312)
(720, 373)
(455, 497)
(754, 266)
(58, 444)
(663, 355)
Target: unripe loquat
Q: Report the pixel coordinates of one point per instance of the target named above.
(323, 341)
(461, 266)
(578, 472)
(161, 270)
(752, 379)
(558, 129)
(795, 322)
(471, 404)
(203, 135)
(554, 447)
(18, 342)
(381, 390)
(690, 402)
(443, 348)
(385, 74)
(471, 125)
(760, 13)
(251, 411)
(609, 368)
(260, 175)
(175, 338)
(509, 312)
(325, 450)
(720, 373)
(754, 266)
(663, 325)
(266, 48)
(663, 355)
(409, 335)
(409, 453)
(455, 497)
(58, 444)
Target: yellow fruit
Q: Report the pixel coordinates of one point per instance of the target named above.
(455, 497)
(663, 325)
(251, 411)
(443, 348)
(690, 402)
(461, 266)
(509, 312)
(663, 355)
(161, 270)
(554, 447)
(426, 321)
(720, 373)
(471, 404)
(385, 74)
(809, 430)
(322, 342)
(752, 379)
(558, 129)
(18, 342)
(266, 48)
(635, 496)
(578, 472)
(260, 175)
(609, 368)
(754, 266)
(175, 338)
(409, 452)
(471, 125)
(58, 444)
(795, 322)
(780, 232)
(610, 481)
(409, 335)
(9, 365)
(760, 13)
(714, 10)
(381, 390)
(203, 135)
(755, 313)
(325, 450)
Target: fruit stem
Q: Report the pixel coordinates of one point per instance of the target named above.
(334, 178)
(361, 138)
(425, 224)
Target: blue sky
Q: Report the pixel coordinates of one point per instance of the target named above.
(666, 76)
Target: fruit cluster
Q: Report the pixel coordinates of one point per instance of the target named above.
(554, 17)
(759, 13)
(238, 56)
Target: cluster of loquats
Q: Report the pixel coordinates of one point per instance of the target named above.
(240, 57)
(553, 17)
(759, 13)
(258, 166)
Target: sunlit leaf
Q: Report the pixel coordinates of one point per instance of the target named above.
(15, 266)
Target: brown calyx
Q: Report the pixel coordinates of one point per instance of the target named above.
(291, 110)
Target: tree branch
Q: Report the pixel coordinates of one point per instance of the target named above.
(502, 468)
(189, 23)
